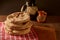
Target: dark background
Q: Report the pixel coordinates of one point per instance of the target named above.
(52, 7)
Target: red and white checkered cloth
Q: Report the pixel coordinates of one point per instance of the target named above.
(3, 36)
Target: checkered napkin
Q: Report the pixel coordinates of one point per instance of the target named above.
(3, 36)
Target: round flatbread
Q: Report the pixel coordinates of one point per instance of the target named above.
(15, 32)
(19, 17)
(21, 26)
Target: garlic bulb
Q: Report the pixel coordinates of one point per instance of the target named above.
(32, 10)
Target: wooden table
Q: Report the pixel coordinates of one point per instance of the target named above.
(43, 32)
(50, 19)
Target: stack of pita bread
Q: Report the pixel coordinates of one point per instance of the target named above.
(18, 23)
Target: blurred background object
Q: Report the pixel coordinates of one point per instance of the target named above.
(50, 6)
(41, 16)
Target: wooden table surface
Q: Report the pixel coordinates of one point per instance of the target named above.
(50, 19)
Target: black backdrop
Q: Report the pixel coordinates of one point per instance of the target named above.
(52, 7)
